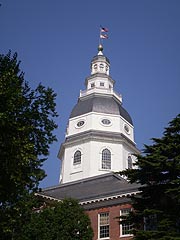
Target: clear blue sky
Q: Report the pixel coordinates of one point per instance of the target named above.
(56, 40)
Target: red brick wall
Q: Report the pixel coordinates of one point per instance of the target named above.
(114, 213)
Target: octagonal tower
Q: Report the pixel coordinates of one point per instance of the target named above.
(100, 133)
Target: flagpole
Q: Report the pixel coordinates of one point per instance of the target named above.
(99, 35)
(102, 36)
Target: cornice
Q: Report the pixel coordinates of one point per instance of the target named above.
(91, 201)
(100, 136)
(101, 75)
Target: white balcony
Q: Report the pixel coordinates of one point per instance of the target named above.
(100, 91)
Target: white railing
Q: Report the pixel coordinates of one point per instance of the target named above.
(101, 90)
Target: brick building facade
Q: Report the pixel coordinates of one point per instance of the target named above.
(116, 231)
(105, 198)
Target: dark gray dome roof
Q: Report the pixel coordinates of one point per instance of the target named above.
(100, 57)
(101, 105)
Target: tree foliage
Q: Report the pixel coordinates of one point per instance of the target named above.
(157, 207)
(65, 220)
(26, 127)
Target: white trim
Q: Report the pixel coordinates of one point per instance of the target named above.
(75, 168)
(47, 197)
(106, 118)
(109, 198)
(80, 120)
(128, 130)
(99, 226)
(92, 200)
(100, 162)
(124, 235)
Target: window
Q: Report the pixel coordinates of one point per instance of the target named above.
(150, 222)
(95, 66)
(106, 121)
(106, 159)
(101, 84)
(104, 225)
(126, 128)
(129, 162)
(107, 68)
(125, 228)
(92, 85)
(77, 158)
(101, 66)
(80, 123)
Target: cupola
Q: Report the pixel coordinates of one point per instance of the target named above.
(100, 133)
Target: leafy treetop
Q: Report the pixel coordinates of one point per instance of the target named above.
(26, 127)
(157, 207)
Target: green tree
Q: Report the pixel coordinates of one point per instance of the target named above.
(157, 208)
(65, 220)
(26, 131)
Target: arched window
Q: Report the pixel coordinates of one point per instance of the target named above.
(101, 66)
(106, 159)
(77, 158)
(95, 66)
(129, 162)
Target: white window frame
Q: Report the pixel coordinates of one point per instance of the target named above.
(130, 162)
(101, 67)
(95, 66)
(121, 225)
(103, 156)
(101, 84)
(105, 225)
(92, 85)
(104, 123)
(80, 123)
(77, 163)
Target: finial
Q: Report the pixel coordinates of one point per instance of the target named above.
(100, 49)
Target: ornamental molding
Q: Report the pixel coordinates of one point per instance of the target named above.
(99, 136)
(99, 75)
(90, 201)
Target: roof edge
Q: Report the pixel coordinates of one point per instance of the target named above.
(95, 200)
